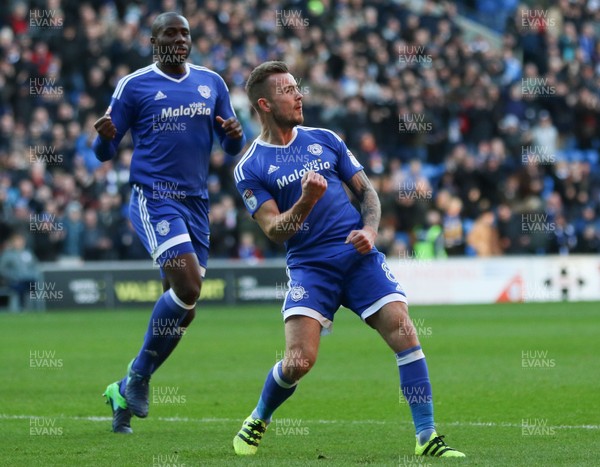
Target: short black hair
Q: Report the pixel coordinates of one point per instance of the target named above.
(160, 20)
(255, 86)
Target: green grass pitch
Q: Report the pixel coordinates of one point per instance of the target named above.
(514, 385)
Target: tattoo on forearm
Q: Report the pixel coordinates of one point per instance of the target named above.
(370, 208)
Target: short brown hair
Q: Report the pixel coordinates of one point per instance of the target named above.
(255, 86)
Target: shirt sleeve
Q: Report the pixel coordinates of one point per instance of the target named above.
(224, 109)
(348, 165)
(122, 112)
(251, 190)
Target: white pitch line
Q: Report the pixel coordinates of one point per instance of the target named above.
(320, 422)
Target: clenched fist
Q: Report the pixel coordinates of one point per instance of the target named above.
(105, 127)
(363, 240)
(313, 186)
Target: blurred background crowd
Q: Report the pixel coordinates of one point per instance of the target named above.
(480, 141)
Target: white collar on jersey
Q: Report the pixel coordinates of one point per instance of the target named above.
(269, 145)
(177, 80)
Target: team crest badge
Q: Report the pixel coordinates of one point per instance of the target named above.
(163, 227)
(204, 91)
(315, 149)
(297, 293)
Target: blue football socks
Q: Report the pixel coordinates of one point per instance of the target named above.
(275, 392)
(162, 336)
(416, 388)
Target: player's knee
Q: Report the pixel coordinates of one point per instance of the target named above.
(295, 373)
(298, 363)
(403, 316)
(188, 292)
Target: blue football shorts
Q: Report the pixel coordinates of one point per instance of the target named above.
(362, 283)
(170, 227)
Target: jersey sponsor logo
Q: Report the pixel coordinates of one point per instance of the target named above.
(297, 293)
(193, 109)
(250, 199)
(298, 174)
(272, 168)
(204, 91)
(315, 149)
(313, 165)
(160, 95)
(163, 227)
(355, 163)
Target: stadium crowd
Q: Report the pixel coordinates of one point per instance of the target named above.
(474, 148)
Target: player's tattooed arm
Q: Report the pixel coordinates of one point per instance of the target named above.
(281, 226)
(370, 210)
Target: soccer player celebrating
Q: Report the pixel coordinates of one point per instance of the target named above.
(292, 181)
(172, 109)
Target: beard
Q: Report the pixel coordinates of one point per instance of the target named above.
(288, 120)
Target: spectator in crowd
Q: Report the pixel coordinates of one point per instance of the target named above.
(129, 245)
(223, 228)
(429, 238)
(19, 268)
(97, 244)
(74, 231)
(564, 238)
(248, 251)
(496, 126)
(545, 135)
(452, 227)
(483, 237)
(509, 229)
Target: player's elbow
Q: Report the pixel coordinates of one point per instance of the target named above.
(275, 237)
(269, 229)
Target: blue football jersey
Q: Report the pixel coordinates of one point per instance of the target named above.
(172, 120)
(274, 172)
